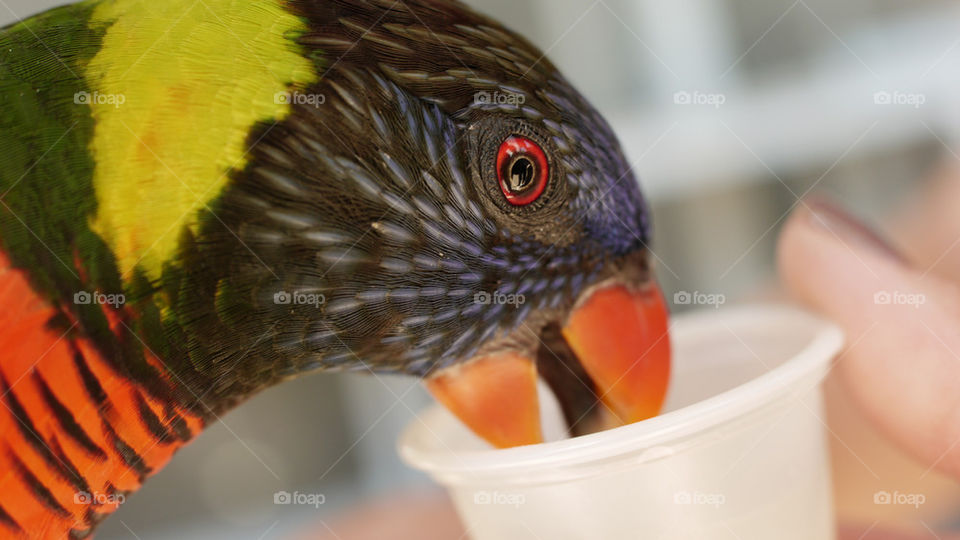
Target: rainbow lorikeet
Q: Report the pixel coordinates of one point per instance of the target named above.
(201, 200)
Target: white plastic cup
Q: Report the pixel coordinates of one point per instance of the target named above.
(740, 452)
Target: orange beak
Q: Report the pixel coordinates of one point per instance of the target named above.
(620, 338)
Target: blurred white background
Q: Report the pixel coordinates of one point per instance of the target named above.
(731, 111)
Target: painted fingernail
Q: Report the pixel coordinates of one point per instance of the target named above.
(831, 217)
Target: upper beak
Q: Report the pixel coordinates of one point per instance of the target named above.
(611, 366)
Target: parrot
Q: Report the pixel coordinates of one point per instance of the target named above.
(202, 200)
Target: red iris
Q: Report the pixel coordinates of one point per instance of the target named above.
(522, 170)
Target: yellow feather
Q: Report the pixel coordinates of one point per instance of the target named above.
(175, 90)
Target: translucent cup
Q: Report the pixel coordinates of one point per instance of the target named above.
(740, 452)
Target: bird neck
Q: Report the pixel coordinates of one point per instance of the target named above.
(77, 434)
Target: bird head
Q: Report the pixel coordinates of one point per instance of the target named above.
(443, 203)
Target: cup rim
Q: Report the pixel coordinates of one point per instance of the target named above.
(810, 362)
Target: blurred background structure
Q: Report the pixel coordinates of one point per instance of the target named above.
(730, 110)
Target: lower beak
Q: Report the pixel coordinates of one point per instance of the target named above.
(620, 338)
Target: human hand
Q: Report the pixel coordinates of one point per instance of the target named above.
(901, 312)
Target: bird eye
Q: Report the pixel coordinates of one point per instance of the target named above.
(522, 170)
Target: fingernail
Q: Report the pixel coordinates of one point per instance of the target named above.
(827, 215)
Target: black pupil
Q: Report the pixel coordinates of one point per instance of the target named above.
(522, 173)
